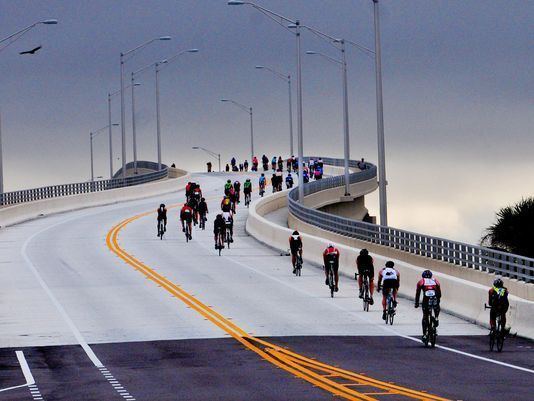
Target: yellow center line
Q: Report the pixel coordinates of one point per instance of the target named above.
(298, 365)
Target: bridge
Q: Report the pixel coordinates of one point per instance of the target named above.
(94, 306)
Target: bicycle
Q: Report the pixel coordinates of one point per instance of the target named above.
(203, 221)
(331, 281)
(187, 232)
(262, 190)
(298, 266)
(390, 307)
(498, 334)
(247, 199)
(365, 290)
(228, 235)
(431, 334)
(161, 229)
(220, 242)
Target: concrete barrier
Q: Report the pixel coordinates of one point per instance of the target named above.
(460, 297)
(31, 210)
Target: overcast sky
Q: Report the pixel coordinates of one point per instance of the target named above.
(458, 87)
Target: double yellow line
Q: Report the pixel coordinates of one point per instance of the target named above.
(332, 379)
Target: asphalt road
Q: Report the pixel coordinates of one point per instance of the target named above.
(92, 326)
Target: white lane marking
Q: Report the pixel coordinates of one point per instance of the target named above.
(383, 327)
(92, 356)
(36, 394)
(30, 381)
(25, 368)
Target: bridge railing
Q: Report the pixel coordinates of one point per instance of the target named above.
(458, 253)
(54, 191)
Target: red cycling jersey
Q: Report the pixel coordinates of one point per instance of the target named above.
(430, 288)
(330, 252)
(186, 212)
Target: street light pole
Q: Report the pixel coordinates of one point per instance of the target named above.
(211, 153)
(110, 139)
(123, 128)
(249, 111)
(251, 136)
(299, 115)
(345, 118)
(1, 161)
(158, 123)
(95, 133)
(133, 125)
(286, 78)
(382, 181)
(91, 145)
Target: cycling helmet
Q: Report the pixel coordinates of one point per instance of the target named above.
(330, 245)
(364, 252)
(162, 206)
(427, 274)
(498, 283)
(390, 263)
(229, 181)
(248, 179)
(295, 232)
(203, 199)
(289, 174)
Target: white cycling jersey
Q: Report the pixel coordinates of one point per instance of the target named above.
(227, 216)
(389, 273)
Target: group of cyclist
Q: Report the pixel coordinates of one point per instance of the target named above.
(389, 281)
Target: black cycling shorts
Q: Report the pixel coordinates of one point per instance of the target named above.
(389, 284)
(366, 271)
(336, 266)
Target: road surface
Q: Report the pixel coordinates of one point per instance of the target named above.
(103, 310)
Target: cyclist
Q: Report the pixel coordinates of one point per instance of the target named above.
(254, 163)
(280, 163)
(229, 223)
(202, 209)
(279, 180)
(331, 253)
(186, 215)
(196, 192)
(237, 189)
(430, 288)
(305, 177)
(233, 199)
(245, 165)
(388, 280)
(188, 190)
(365, 265)
(219, 231)
(226, 204)
(162, 216)
(247, 189)
(295, 245)
(498, 301)
(233, 162)
(227, 187)
(262, 183)
(265, 162)
(273, 163)
(289, 181)
(193, 204)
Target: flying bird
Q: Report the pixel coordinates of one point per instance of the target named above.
(32, 51)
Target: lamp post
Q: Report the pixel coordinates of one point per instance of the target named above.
(158, 124)
(17, 35)
(123, 128)
(346, 147)
(249, 111)
(382, 181)
(110, 96)
(294, 27)
(286, 78)
(91, 136)
(211, 153)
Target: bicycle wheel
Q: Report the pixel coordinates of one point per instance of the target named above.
(228, 238)
(331, 283)
(492, 340)
(186, 233)
(391, 316)
(500, 338)
(432, 332)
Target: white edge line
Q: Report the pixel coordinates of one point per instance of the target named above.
(25, 370)
(54, 300)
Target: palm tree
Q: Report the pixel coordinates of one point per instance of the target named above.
(514, 229)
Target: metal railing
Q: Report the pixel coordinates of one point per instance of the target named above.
(54, 191)
(458, 253)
